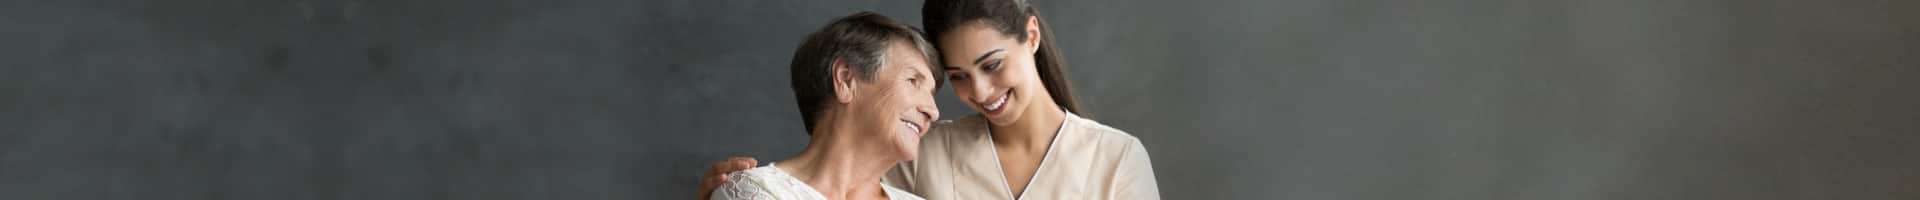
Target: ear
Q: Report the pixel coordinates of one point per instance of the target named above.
(843, 81)
(1033, 35)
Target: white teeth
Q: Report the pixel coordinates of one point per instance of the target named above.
(997, 103)
(914, 127)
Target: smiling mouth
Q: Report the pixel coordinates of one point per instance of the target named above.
(999, 103)
(915, 127)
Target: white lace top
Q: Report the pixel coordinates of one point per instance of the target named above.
(771, 183)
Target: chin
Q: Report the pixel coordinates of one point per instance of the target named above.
(909, 154)
(907, 148)
(1000, 122)
(1006, 116)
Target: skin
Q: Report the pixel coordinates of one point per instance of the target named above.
(1022, 129)
(871, 125)
(986, 66)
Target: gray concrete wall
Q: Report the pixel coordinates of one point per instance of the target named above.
(1267, 99)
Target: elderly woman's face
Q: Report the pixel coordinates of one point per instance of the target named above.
(897, 107)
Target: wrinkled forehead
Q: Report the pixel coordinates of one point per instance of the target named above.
(902, 53)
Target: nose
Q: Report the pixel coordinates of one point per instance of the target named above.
(929, 110)
(931, 114)
(982, 93)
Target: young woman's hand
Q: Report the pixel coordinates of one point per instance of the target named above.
(718, 175)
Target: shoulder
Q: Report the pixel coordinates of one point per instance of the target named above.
(970, 123)
(972, 126)
(951, 138)
(1103, 135)
(757, 183)
(1118, 148)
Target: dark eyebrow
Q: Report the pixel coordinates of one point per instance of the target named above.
(976, 61)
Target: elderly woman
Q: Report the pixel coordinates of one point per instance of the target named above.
(865, 86)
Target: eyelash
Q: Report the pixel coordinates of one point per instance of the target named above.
(989, 67)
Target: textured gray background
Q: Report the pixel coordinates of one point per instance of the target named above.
(1262, 99)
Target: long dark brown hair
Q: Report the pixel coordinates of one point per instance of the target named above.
(1010, 18)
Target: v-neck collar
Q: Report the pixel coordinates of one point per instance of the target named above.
(1002, 170)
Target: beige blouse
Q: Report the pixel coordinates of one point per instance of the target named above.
(1086, 161)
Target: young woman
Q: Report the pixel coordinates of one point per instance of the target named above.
(1026, 142)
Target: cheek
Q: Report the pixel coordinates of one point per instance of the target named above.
(963, 88)
(904, 96)
(1022, 75)
(901, 98)
(879, 99)
(880, 112)
(891, 98)
(1013, 79)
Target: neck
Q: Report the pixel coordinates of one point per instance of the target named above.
(1035, 129)
(838, 166)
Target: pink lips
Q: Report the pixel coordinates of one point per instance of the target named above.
(992, 109)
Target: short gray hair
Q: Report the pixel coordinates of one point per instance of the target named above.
(861, 40)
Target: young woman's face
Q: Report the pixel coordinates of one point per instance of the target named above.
(897, 105)
(993, 72)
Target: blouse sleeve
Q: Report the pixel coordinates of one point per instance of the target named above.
(742, 186)
(1134, 177)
